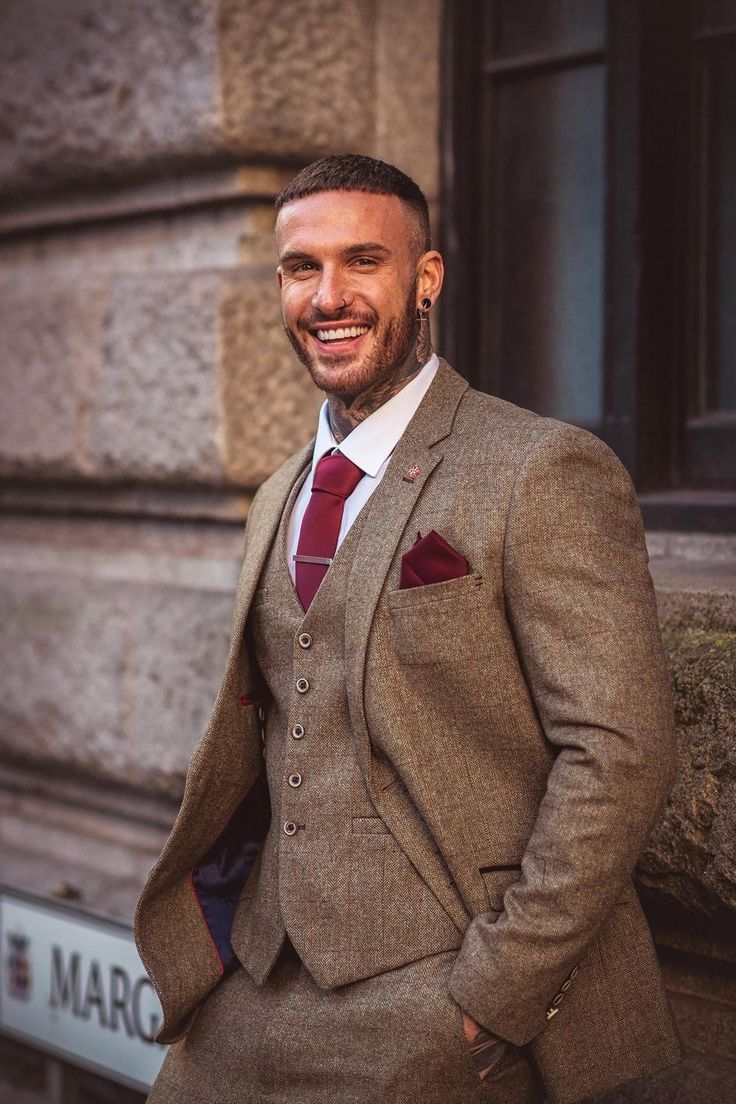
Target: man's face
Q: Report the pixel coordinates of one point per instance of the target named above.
(348, 279)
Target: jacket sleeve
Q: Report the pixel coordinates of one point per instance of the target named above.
(581, 607)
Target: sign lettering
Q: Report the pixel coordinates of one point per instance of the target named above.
(74, 984)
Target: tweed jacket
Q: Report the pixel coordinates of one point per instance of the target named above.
(514, 728)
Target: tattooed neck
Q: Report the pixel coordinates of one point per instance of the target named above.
(346, 414)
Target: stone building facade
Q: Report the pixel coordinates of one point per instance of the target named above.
(147, 389)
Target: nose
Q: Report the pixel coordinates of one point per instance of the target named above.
(332, 293)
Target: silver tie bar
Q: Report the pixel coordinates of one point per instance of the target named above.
(312, 559)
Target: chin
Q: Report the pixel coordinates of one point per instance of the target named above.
(338, 379)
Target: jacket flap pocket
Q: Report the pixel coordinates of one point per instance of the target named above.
(497, 880)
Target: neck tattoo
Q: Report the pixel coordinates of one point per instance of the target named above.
(346, 414)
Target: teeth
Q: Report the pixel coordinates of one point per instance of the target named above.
(341, 334)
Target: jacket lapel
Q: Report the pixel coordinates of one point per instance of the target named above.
(263, 524)
(421, 447)
(389, 511)
(228, 757)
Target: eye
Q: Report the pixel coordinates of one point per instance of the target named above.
(366, 262)
(303, 266)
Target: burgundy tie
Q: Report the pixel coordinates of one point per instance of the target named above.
(335, 479)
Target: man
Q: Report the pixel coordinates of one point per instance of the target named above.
(401, 869)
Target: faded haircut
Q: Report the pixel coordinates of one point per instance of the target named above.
(353, 172)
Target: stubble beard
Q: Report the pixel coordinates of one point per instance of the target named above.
(392, 344)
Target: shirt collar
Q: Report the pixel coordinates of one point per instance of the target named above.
(371, 443)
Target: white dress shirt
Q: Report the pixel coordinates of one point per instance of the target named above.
(369, 446)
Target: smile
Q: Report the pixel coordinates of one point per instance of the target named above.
(343, 333)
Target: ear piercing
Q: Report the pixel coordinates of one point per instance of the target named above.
(426, 303)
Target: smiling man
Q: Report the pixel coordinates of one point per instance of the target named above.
(402, 867)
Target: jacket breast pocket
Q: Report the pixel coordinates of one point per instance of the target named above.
(445, 622)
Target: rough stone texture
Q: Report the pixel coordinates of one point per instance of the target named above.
(408, 80)
(153, 412)
(691, 857)
(51, 335)
(690, 861)
(110, 668)
(83, 841)
(269, 404)
(297, 76)
(95, 90)
(100, 91)
(153, 352)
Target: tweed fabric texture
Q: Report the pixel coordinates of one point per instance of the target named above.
(351, 902)
(513, 727)
(395, 1038)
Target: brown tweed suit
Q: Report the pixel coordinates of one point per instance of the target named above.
(513, 729)
(353, 904)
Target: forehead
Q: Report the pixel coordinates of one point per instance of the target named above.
(336, 220)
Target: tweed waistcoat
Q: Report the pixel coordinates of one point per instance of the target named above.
(351, 902)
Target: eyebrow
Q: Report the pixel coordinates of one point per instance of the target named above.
(351, 251)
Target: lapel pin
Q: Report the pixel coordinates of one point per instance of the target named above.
(412, 474)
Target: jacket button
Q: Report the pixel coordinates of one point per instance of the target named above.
(297, 731)
(290, 828)
(302, 685)
(295, 780)
(305, 640)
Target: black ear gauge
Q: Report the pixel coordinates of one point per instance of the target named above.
(426, 303)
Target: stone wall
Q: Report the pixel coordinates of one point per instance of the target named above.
(147, 389)
(147, 384)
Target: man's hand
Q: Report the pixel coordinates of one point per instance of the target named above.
(487, 1049)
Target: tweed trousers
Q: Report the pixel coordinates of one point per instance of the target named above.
(396, 1037)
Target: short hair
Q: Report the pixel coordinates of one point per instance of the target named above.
(354, 172)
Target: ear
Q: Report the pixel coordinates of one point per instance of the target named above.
(430, 275)
(279, 277)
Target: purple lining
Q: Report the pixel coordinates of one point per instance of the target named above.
(219, 876)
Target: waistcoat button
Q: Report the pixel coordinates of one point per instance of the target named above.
(305, 640)
(295, 780)
(290, 827)
(297, 731)
(302, 685)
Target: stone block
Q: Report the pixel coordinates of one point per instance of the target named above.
(153, 413)
(691, 856)
(111, 670)
(153, 352)
(64, 646)
(407, 96)
(51, 340)
(198, 382)
(269, 404)
(94, 91)
(98, 90)
(298, 76)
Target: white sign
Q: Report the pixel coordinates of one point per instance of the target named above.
(74, 984)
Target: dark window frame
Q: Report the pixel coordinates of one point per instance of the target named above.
(709, 445)
(650, 237)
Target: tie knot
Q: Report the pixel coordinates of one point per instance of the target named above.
(337, 475)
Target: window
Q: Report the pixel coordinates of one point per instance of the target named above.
(590, 165)
(710, 434)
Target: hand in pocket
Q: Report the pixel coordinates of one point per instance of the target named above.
(487, 1049)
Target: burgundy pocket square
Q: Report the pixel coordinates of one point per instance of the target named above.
(431, 560)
